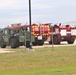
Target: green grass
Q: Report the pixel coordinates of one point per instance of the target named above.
(43, 61)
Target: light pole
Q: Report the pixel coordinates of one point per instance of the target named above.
(30, 24)
(52, 39)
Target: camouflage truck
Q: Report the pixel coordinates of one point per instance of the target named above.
(15, 36)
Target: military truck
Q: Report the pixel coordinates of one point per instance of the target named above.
(15, 36)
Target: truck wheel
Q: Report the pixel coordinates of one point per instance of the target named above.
(14, 43)
(34, 43)
(40, 42)
(50, 42)
(2, 44)
(56, 40)
(70, 41)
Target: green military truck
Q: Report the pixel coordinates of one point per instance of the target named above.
(15, 36)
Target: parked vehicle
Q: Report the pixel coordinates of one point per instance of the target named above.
(60, 33)
(15, 36)
(40, 32)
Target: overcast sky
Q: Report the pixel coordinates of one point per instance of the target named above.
(43, 11)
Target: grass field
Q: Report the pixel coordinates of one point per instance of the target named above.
(43, 61)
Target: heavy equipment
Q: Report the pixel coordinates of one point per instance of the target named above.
(40, 32)
(15, 36)
(60, 33)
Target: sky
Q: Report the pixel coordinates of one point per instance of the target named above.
(43, 11)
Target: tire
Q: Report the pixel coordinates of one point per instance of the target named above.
(56, 40)
(50, 42)
(40, 42)
(70, 41)
(14, 43)
(2, 44)
(34, 43)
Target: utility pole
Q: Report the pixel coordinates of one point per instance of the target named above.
(30, 25)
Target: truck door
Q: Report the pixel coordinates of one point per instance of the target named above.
(21, 35)
(6, 35)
